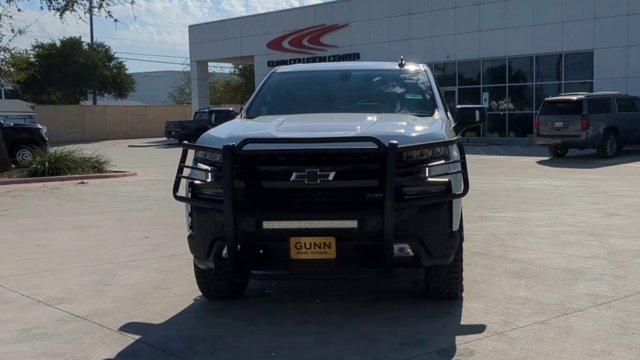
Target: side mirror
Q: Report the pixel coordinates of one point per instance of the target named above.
(469, 116)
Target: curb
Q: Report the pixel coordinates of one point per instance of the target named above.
(47, 179)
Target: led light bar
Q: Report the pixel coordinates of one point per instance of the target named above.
(309, 224)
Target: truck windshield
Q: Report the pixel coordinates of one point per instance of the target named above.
(344, 91)
(566, 107)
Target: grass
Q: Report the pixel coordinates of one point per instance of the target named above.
(58, 162)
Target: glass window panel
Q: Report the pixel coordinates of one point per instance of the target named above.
(449, 97)
(497, 97)
(549, 68)
(578, 66)
(584, 86)
(469, 96)
(521, 125)
(544, 91)
(445, 73)
(521, 98)
(520, 70)
(494, 71)
(626, 105)
(599, 106)
(468, 73)
(496, 125)
(561, 107)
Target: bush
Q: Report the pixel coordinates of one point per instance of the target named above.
(66, 162)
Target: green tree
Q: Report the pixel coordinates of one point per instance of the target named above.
(235, 87)
(180, 91)
(64, 71)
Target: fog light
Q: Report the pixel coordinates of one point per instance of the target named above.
(402, 250)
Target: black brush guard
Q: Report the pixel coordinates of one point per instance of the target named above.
(226, 205)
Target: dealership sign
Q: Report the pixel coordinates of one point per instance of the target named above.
(308, 41)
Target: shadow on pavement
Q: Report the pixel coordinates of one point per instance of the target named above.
(313, 319)
(590, 160)
(506, 150)
(163, 143)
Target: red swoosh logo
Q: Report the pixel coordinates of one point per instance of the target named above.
(316, 39)
(304, 41)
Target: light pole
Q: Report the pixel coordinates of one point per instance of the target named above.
(94, 98)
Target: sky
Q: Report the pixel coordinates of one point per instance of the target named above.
(151, 30)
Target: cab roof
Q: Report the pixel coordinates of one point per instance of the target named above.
(345, 65)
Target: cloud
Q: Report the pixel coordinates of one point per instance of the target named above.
(155, 27)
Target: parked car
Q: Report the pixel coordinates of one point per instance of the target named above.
(330, 166)
(203, 120)
(14, 111)
(605, 121)
(21, 140)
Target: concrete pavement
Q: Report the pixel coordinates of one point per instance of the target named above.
(102, 270)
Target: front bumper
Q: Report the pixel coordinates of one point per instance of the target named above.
(582, 140)
(426, 224)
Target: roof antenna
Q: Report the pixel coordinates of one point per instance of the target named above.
(401, 64)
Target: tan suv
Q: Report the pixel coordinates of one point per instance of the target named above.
(605, 121)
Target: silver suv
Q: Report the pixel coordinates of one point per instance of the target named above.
(605, 121)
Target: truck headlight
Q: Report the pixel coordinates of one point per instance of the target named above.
(211, 164)
(427, 154)
(210, 158)
(43, 131)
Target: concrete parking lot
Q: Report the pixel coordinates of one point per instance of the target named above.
(101, 269)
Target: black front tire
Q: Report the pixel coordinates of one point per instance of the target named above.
(217, 284)
(22, 155)
(445, 282)
(558, 151)
(610, 145)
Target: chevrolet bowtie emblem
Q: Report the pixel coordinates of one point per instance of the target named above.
(313, 176)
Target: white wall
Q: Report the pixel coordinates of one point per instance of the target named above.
(440, 30)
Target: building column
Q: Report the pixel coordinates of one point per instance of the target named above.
(200, 96)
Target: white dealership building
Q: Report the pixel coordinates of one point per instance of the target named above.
(510, 54)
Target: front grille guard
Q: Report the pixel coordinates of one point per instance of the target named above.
(391, 149)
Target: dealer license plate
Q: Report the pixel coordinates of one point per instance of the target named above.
(312, 247)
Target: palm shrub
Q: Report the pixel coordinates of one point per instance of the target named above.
(66, 162)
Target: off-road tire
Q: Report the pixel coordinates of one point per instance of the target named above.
(610, 145)
(215, 284)
(22, 154)
(558, 151)
(444, 282)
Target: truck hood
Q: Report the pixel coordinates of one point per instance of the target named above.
(406, 129)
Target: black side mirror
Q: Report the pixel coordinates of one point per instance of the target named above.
(469, 116)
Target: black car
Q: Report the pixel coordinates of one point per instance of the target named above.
(203, 120)
(21, 140)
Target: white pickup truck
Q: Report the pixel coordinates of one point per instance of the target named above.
(330, 168)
